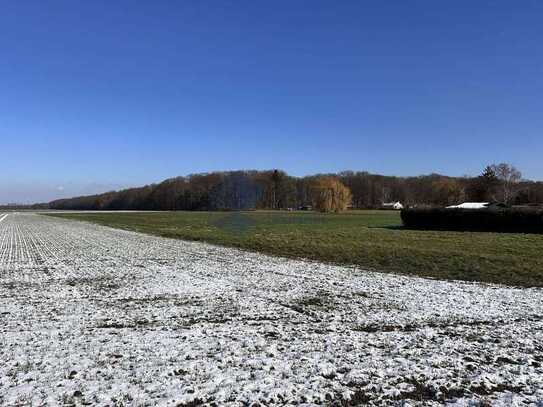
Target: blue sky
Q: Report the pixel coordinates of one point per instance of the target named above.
(97, 95)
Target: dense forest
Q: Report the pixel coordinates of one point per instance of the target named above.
(275, 189)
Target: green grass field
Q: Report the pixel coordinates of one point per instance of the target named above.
(370, 239)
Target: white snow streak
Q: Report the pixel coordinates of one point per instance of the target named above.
(2, 217)
(106, 317)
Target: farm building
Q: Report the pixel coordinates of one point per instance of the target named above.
(392, 205)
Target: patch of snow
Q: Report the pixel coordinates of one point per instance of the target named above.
(90, 314)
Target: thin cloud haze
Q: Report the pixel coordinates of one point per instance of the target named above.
(29, 193)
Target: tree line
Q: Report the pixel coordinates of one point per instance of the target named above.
(275, 189)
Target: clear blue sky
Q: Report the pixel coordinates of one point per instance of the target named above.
(102, 94)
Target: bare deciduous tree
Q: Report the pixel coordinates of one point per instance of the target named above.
(448, 191)
(276, 189)
(509, 179)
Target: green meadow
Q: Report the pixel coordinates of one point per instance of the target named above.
(372, 240)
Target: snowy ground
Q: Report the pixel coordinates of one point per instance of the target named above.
(92, 315)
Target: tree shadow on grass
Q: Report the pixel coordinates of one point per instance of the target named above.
(461, 230)
(390, 227)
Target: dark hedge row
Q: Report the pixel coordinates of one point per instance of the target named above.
(524, 220)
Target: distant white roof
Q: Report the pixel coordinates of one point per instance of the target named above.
(471, 205)
(395, 205)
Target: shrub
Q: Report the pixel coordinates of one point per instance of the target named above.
(525, 219)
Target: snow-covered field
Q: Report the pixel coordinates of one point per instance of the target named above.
(92, 315)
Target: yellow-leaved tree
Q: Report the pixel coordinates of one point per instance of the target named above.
(330, 195)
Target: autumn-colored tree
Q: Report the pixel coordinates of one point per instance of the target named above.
(330, 195)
